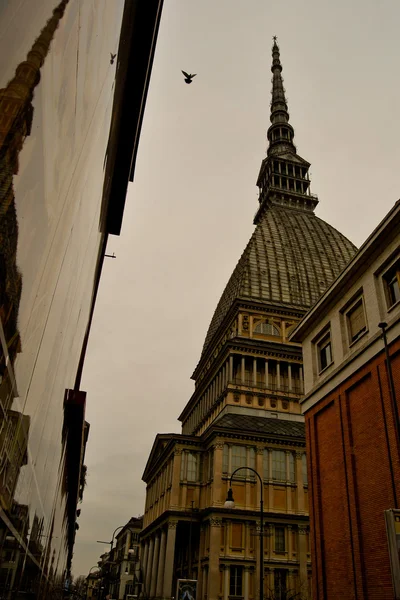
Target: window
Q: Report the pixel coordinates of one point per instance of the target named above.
(190, 466)
(356, 323)
(304, 468)
(392, 284)
(192, 462)
(265, 463)
(279, 539)
(235, 582)
(266, 328)
(292, 471)
(279, 465)
(280, 584)
(324, 348)
(234, 457)
(239, 459)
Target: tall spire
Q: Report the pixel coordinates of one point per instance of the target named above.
(280, 133)
(283, 178)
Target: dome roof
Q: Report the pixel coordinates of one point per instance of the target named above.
(291, 258)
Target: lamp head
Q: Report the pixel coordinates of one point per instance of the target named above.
(229, 502)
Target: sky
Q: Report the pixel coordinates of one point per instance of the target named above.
(190, 209)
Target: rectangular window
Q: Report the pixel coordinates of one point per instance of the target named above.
(324, 349)
(356, 322)
(192, 466)
(266, 464)
(280, 539)
(235, 581)
(280, 584)
(392, 284)
(304, 468)
(292, 469)
(239, 459)
(279, 465)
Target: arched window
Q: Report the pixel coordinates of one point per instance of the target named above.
(266, 328)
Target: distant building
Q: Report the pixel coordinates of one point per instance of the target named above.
(93, 586)
(70, 121)
(127, 560)
(245, 410)
(351, 405)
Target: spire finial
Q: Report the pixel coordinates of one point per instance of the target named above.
(280, 132)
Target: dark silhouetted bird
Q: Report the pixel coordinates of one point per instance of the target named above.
(112, 58)
(188, 77)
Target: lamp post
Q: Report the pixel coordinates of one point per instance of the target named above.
(230, 503)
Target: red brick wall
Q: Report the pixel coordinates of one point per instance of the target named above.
(354, 475)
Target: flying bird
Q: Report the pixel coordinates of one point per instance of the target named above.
(112, 58)
(188, 77)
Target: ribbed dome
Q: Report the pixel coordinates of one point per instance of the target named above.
(290, 259)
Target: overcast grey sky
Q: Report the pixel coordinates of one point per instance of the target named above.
(189, 211)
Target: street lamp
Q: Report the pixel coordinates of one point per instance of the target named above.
(112, 539)
(230, 503)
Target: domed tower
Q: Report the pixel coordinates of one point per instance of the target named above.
(248, 366)
(244, 413)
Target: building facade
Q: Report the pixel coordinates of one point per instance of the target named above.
(69, 127)
(126, 556)
(351, 406)
(245, 410)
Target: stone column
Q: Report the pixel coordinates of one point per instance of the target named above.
(226, 582)
(247, 534)
(301, 380)
(243, 370)
(302, 556)
(254, 371)
(278, 375)
(271, 585)
(213, 573)
(176, 476)
(290, 543)
(292, 580)
(260, 471)
(299, 481)
(266, 374)
(231, 368)
(271, 537)
(205, 582)
(270, 484)
(169, 559)
(246, 583)
(288, 487)
(145, 556)
(227, 525)
(217, 483)
(161, 564)
(154, 569)
(149, 565)
(290, 377)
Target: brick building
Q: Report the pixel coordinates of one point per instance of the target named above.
(352, 422)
